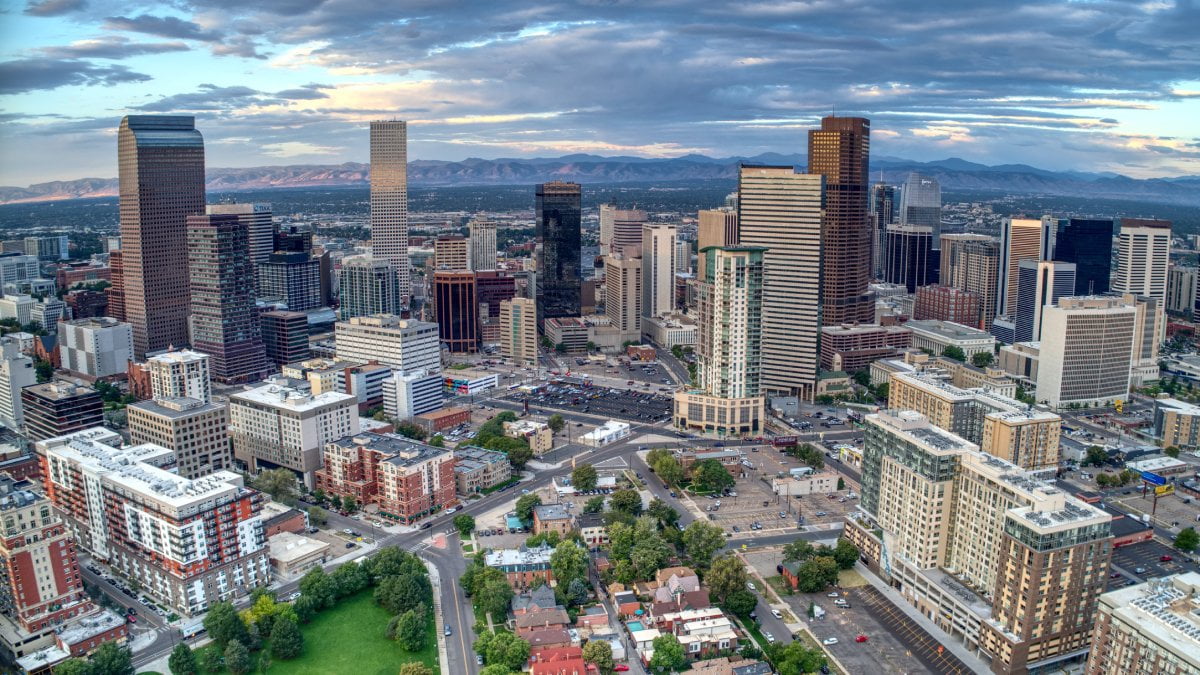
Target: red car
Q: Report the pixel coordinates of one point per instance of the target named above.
(860, 638)
(620, 667)
(1165, 558)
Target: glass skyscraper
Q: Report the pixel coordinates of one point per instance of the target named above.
(1088, 244)
(558, 207)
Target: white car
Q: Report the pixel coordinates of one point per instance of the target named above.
(770, 638)
(777, 614)
(833, 595)
(750, 585)
(829, 641)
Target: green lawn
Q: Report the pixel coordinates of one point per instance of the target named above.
(351, 638)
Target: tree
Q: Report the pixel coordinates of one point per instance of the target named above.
(349, 503)
(112, 659)
(519, 457)
(845, 553)
(556, 423)
(525, 506)
(349, 578)
(497, 668)
(317, 516)
(465, 524)
(701, 541)
(319, 586)
(578, 592)
(594, 505)
(982, 359)
(795, 659)
(726, 576)
(237, 657)
(503, 648)
(223, 624)
(668, 469)
(1094, 456)
(599, 654)
(816, 573)
(1172, 452)
(583, 478)
(211, 660)
(656, 454)
(410, 631)
(74, 666)
(286, 640)
(182, 660)
(1187, 540)
(741, 602)
(415, 669)
(568, 561)
(626, 501)
(438, 441)
(955, 352)
(494, 597)
(668, 655)
(44, 370)
(281, 484)
(413, 431)
(398, 594)
(662, 512)
(547, 343)
(261, 612)
(711, 475)
(841, 485)
(808, 454)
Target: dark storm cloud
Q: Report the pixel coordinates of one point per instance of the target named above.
(307, 92)
(54, 7)
(25, 75)
(214, 99)
(111, 47)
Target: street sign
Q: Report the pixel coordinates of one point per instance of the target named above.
(1153, 478)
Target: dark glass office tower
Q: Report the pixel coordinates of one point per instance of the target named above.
(911, 259)
(1088, 244)
(558, 207)
(224, 320)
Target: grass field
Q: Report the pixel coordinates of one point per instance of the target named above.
(352, 638)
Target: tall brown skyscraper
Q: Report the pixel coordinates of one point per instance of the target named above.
(224, 322)
(161, 170)
(839, 151)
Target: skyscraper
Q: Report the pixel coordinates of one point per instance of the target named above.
(921, 203)
(389, 199)
(161, 176)
(293, 278)
(621, 230)
(457, 310)
(260, 230)
(483, 245)
(729, 345)
(715, 227)
(368, 286)
(558, 208)
(623, 295)
(1020, 239)
(518, 331)
(1143, 257)
(911, 259)
(1088, 244)
(180, 374)
(16, 373)
(451, 252)
(683, 256)
(971, 262)
(780, 210)
(883, 213)
(1087, 351)
(224, 321)
(1040, 283)
(658, 269)
(839, 151)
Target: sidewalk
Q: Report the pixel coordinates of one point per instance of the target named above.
(435, 580)
(957, 648)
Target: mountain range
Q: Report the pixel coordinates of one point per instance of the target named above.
(953, 174)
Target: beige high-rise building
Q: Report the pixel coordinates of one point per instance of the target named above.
(180, 374)
(1026, 438)
(1152, 628)
(658, 270)
(195, 430)
(623, 295)
(781, 210)
(715, 227)
(728, 399)
(389, 199)
(451, 253)
(483, 245)
(971, 262)
(1020, 239)
(1181, 289)
(1087, 351)
(621, 230)
(161, 169)
(16, 373)
(1011, 565)
(518, 331)
(1148, 332)
(1143, 258)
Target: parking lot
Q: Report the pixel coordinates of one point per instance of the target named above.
(1147, 556)
(617, 404)
(1172, 510)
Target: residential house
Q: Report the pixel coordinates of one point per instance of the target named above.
(592, 617)
(550, 637)
(540, 620)
(706, 637)
(552, 518)
(592, 529)
(791, 574)
(522, 566)
(557, 661)
(671, 622)
(533, 600)
(627, 603)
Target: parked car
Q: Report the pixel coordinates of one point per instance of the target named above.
(448, 632)
(750, 585)
(777, 614)
(1165, 558)
(860, 638)
(829, 641)
(770, 638)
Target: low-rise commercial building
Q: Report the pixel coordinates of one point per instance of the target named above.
(407, 479)
(476, 469)
(406, 396)
(853, 348)
(609, 432)
(538, 434)
(936, 336)
(1177, 423)
(522, 566)
(670, 330)
(552, 518)
(188, 542)
(293, 555)
(697, 411)
(440, 420)
(60, 407)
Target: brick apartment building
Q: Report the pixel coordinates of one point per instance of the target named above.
(407, 479)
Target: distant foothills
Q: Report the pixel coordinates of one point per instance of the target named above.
(953, 174)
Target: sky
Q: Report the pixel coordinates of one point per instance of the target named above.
(1103, 85)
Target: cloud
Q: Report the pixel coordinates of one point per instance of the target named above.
(162, 26)
(297, 149)
(25, 75)
(306, 93)
(54, 7)
(111, 47)
(208, 97)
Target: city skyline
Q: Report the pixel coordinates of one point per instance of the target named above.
(295, 82)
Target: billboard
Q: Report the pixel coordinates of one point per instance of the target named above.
(1153, 478)
(784, 441)
(1161, 490)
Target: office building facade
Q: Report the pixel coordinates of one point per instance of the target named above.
(1087, 351)
(1181, 290)
(971, 263)
(621, 230)
(285, 336)
(623, 295)
(518, 331)
(96, 347)
(882, 212)
(260, 230)
(197, 432)
(60, 407)
(483, 245)
(1020, 239)
(16, 373)
(911, 259)
(557, 211)
(1143, 257)
(658, 270)
(946, 303)
(406, 396)
(457, 310)
(714, 227)
(1040, 283)
(921, 203)
(840, 151)
(1088, 244)
(292, 278)
(181, 374)
(161, 175)
(368, 286)
(389, 203)
(403, 344)
(451, 252)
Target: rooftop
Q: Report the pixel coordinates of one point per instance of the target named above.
(443, 413)
(277, 395)
(949, 329)
(287, 546)
(916, 428)
(176, 407)
(178, 356)
(551, 512)
(1166, 610)
(95, 322)
(60, 390)
(519, 556)
(403, 451)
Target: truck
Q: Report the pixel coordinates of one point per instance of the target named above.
(817, 612)
(191, 630)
